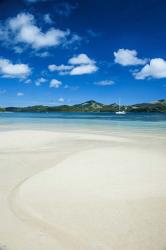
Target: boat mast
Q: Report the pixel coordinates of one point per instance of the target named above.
(119, 104)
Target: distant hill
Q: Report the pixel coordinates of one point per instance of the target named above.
(92, 106)
(89, 106)
(157, 106)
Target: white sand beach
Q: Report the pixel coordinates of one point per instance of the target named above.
(76, 191)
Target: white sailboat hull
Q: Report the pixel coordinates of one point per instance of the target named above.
(120, 112)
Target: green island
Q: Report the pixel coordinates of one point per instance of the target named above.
(92, 106)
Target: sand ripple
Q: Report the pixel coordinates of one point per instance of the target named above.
(100, 199)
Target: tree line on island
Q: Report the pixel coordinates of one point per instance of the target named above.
(92, 106)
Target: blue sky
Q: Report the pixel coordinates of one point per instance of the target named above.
(56, 52)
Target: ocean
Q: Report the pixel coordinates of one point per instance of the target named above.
(94, 122)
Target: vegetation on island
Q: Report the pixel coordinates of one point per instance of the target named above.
(92, 106)
(2, 109)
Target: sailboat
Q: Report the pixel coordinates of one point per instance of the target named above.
(120, 112)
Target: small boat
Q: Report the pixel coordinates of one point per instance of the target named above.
(120, 112)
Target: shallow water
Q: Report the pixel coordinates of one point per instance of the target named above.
(104, 122)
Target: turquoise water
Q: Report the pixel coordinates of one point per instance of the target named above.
(140, 122)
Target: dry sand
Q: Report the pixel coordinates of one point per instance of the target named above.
(67, 191)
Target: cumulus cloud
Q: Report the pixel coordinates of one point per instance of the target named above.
(155, 69)
(127, 57)
(62, 67)
(80, 59)
(105, 83)
(54, 83)
(23, 29)
(82, 65)
(84, 69)
(40, 81)
(78, 65)
(20, 94)
(10, 70)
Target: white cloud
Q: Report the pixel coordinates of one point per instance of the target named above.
(105, 83)
(8, 69)
(23, 29)
(155, 69)
(61, 99)
(81, 59)
(84, 69)
(79, 65)
(54, 83)
(40, 81)
(127, 57)
(84, 65)
(61, 67)
(20, 94)
(47, 19)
